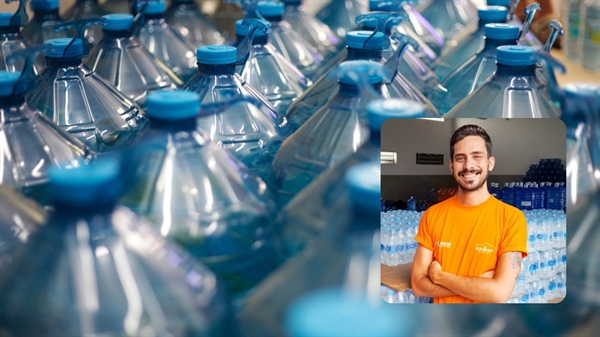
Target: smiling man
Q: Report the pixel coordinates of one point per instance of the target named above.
(471, 245)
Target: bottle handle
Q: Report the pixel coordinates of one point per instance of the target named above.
(550, 64)
(80, 27)
(21, 13)
(382, 19)
(530, 11)
(390, 68)
(243, 49)
(556, 30)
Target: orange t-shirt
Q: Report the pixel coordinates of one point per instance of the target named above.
(468, 240)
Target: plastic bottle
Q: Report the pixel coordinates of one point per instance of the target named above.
(339, 16)
(448, 17)
(121, 59)
(320, 204)
(33, 142)
(195, 27)
(163, 41)
(219, 210)
(98, 259)
(242, 120)
(572, 37)
(527, 38)
(311, 29)
(332, 134)
(87, 9)
(515, 90)
(45, 17)
(470, 40)
(11, 40)
(411, 204)
(287, 41)
(590, 34)
(81, 102)
(285, 82)
(476, 70)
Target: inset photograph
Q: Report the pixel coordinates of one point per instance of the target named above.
(473, 211)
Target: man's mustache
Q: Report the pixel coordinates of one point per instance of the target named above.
(472, 171)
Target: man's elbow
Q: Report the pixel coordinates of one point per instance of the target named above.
(501, 296)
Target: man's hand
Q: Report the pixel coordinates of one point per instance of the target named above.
(435, 268)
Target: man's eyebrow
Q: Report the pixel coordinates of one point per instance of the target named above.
(462, 154)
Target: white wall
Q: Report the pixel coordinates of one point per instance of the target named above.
(517, 143)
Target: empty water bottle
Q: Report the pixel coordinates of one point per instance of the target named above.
(81, 102)
(322, 202)
(340, 15)
(527, 38)
(470, 75)
(448, 17)
(106, 256)
(515, 90)
(87, 9)
(285, 82)
(197, 29)
(121, 59)
(19, 219)
(45, 16)
(33, 142)
(411, 204)
(590, 34)
(287, 41)
(11, 40)
(235, 115)
(333, 133)
(163, 41)
(199, 195)
(468, 42)
(333, 259)
(311, 29)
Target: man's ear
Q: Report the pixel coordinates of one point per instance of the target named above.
(491, 164)
(450, 166)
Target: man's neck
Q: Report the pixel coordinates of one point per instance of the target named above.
(473, 198)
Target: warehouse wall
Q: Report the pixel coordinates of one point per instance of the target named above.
(517, 143)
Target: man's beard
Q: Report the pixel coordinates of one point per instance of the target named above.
(467, 188)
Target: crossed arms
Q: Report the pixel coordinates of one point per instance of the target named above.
(428, 279)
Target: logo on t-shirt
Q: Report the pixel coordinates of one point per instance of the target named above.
(484, 248)
(443, 244)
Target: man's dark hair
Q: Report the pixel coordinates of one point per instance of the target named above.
(470, 130)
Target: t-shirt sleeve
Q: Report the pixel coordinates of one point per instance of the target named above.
(515, 234)
(424, 233)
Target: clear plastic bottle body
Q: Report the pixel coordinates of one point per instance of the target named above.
(446, 16)
(86, 105)
(11, 40)
(199, 196)
(590, 35)
(87, 9)
(313, 31)
(197, 29)
(340, 15)
(251, 128)
(40, 27)
(122, 60)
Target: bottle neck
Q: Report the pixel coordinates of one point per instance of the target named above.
(507, 70)
(188, 124)
(354, 90)
(117, 34)
(216, 69)
(63, 62)
(257, 40)
(8, 102)
(495, 43)
(360, 54)
(46, 15)
(9, 30)
(481, 23)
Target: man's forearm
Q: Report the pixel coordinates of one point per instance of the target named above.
(426, 288)
(479, 289)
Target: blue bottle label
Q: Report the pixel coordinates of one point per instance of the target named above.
(521, 278)
(532, 238)
(532, 268)
(563, 258)
(560, 285)
(552, 286)
(388, 249)
(382, 247)
(542, 292)
(525, 298)
(542, 265)
(413, 245)
(551, 263)
(400, 249)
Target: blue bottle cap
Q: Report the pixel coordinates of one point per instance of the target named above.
(356, 40)
(116, 22)
(216, 54)
(387, 6)
(493, 14)
(373, 69)
(292, 2)
(364, 182)
(44, 5)
(173, 105)
(183, 0)
(333, 312)
(270, 8)
(515, 55)
(504, 3)
(91, 185)
(382, 109)
(243, 30)
(154, 7)
(5, 19)
(55, 48)
(7, 83)
(501, 31)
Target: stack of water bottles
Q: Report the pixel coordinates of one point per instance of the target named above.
(530, 196)
(543, 272)
(406, 296)
(398, 231)
(547, 170)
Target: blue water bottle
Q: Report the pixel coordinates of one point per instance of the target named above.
(45, 17)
